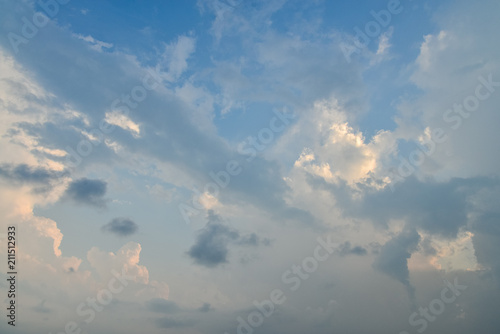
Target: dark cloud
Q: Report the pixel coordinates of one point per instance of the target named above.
(212, 243)
(27, 174)
(87, 191)
(393, 258)
(485, 225)
(40, 177)
(439, 208)
(211, 247)
(121, 227)
(346, 249)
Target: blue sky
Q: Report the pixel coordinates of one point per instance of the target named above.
(230, 166)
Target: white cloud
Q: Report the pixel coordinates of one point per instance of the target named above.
(94, 43)
(175, 57)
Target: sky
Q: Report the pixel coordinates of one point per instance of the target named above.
(232, 166)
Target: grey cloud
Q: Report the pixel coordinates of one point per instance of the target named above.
(42, 179)
(485, 225)
(27, 174)
(427, 248)
(176, 136)
(121, 227)
(375, 246)
(393, 259)
(439, 208)
(211, 247)
(87, 191)
(212, 243)
(347, 249)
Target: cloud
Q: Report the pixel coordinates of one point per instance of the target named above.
(484, 225)
(211, 247)
(126, 259)
(346, 249)
(440, 208)
(94, 43)
(121, 227)
(212, 243)
(176, 55)
(24, 173)
(184, 139)
(87, 191)
(41, 178)
(393, 259)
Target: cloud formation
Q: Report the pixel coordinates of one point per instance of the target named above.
(213, 241)
(393, 259)
(121, 227)
(87, 191)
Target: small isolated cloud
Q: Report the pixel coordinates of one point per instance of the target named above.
(87, 191)
(94, 43)
(212, 244)
(121, 227)
(347, 249)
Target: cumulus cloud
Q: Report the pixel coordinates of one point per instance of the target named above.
(324, 159)
(121, 226)
(87, 191)
(126, 258)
